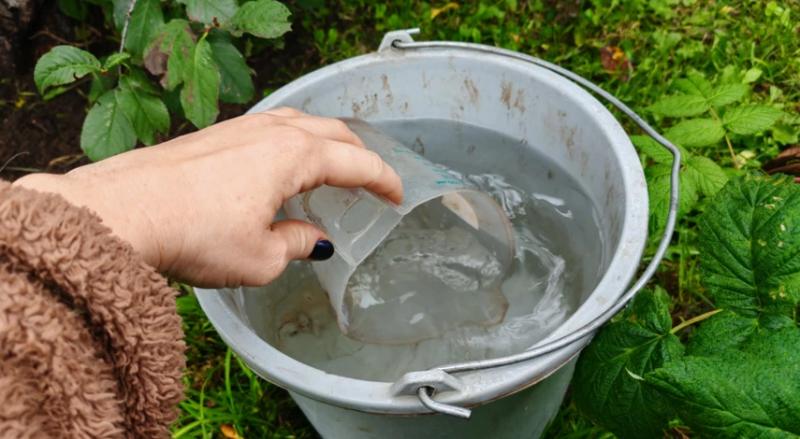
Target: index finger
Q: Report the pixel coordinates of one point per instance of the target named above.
(328, 127)
(345, 165)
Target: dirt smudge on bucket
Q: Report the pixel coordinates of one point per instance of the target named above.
(511, 99)
(505, 94)
(472, 90)
(519, 100)
(365, 107)
(568, 136)
(389, 97)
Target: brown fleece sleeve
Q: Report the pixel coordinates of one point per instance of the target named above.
(90, 342)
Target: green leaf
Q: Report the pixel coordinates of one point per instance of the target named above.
(658, 189)
(62, 65)
(236, 85)
(652, 149)
(175, 44)
(785, 133)
(210, 12)
(650, 309)
(73, 8)
(727, 94)
(106, 131)
(100, 84)
(201, 86)
(723, 331)
(752, 75)
(695, 84)
(750, 393)
(680, 106)
(706, 175)
(139, 79)
(750, 119)
(607, 386)
(115, 59)
(146, 112)
(54, 91)
(262, 18)
(696, 132)
(146, 22)
(749, 241)
(120, 12)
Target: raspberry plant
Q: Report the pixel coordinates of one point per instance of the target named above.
(183, 51)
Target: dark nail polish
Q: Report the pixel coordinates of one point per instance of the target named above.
(323, 250)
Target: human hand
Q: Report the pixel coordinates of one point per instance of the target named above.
(201, 207)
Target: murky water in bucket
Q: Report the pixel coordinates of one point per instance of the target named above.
(430, 275)
(558, 254)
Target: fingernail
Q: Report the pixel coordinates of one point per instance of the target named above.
(323, 250)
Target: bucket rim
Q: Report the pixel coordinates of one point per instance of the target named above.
(373, 396)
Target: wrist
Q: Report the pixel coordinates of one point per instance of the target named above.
(86, 194)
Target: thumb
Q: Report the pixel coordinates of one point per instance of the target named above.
(302, 240)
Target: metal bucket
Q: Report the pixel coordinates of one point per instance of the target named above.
(527, 99)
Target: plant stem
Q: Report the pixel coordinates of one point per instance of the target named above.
(19, 154)
(727, 140)
(125, 26)
(694, 320)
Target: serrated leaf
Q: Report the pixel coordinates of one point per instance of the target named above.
(749, 241)
(115, 59)
(785, 133)
(650, 309)
(706, 175)
(200, 90)
(652, 149)
(605, 387)
(754, 392)
(696, 133)
(727, 94)
(210, 12)
(146, 112)
(262, 18)
(723, 331)
(658, 189)
(146, 22)
(750, 119)
(236, 85)
(681, 106)
(106, 131)
(694, 83)
(62, 65)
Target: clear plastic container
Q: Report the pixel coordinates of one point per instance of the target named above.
(442, 268)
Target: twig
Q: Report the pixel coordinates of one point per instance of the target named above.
(13, 157)
(125, 26)
(694, 320)
(22, 169)
(47, 33)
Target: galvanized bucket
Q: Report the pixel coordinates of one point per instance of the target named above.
(522, 97)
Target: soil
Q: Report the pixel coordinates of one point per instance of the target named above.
(44, 136)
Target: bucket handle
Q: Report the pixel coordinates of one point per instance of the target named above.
(419, 383)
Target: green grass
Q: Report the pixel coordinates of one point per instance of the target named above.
(222, 393)
(662, 40)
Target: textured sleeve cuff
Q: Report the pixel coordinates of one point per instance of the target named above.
(126, 307)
